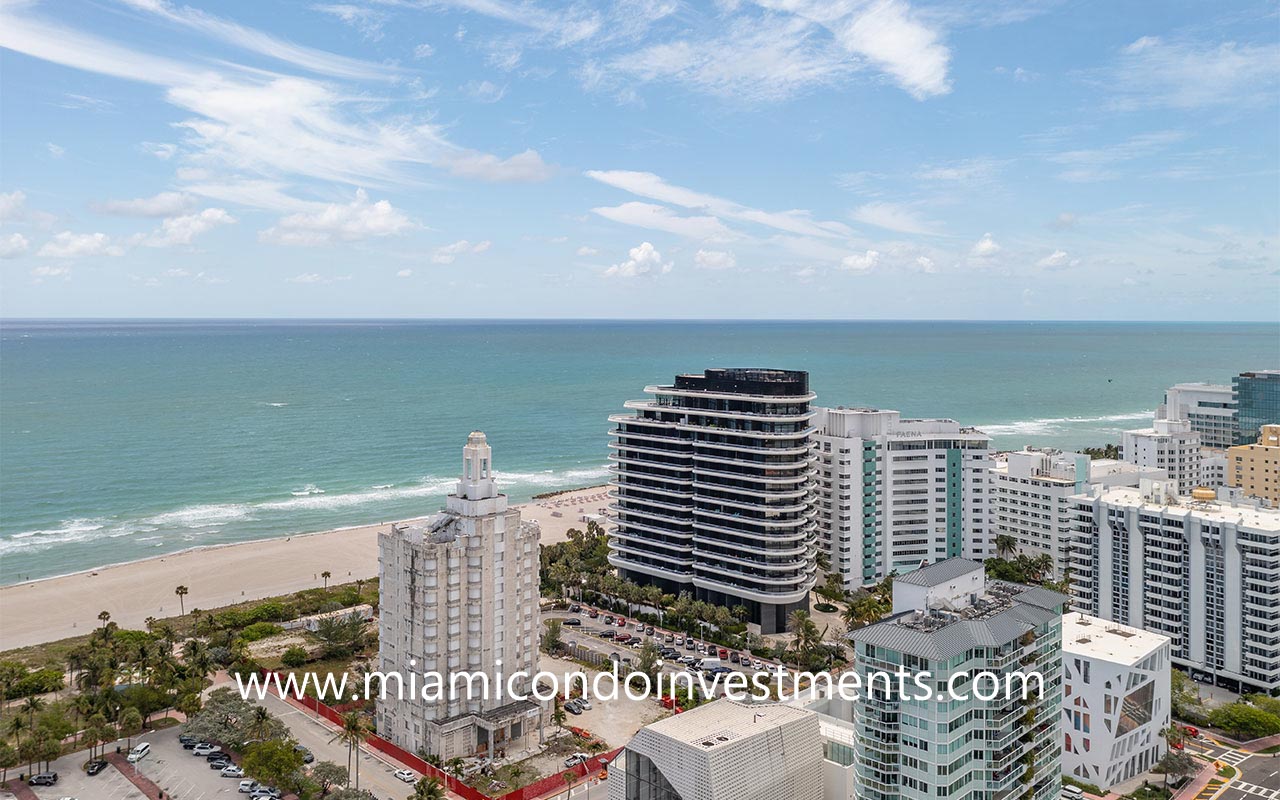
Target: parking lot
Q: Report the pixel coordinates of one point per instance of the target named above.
(73, 782)
(180, 773)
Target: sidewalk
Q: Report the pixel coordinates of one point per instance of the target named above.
(144, 784)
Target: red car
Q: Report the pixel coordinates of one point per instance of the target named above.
(724, 654)
(622, 622)
(1194, 733)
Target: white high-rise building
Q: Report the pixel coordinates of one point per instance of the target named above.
(460, 593)
(1199, 570)
(1169, 444)
(1031, 493)
(1209, 407)
(895, 494)
(723, 750)
(1115, 700)
(949, 620)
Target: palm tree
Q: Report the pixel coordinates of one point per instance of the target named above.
(15, 728)
(326, 575)
(1005, 544)
(260, 720)
(428, 788)
(104, 617)
(32, 705)
(353, 732)
(181, 592)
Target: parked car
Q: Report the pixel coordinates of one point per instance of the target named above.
(622, 622)
(572, 622)
(639, 627)
(668, 639)
(608, 619)
(232, 771)
(690, 645)
(43, 779)
(187, 739)
(406, 775)
(733, 658)
(265, 793)
(576, 759)
(724, 654)
(572, 709)
(608, 634)
(206, 749)
(1191, 731)
(217, 757)
(139, 752)
(307, 758)
(593, 613)
(648, 630)
(757, 664)
(574, 608)
(248, 786)
(96, 766)
(584, 704)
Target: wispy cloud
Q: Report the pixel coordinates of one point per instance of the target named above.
(333, 223)
(1182, 73)
(1094, 164)
(893, 217)
(661, 218)
(164, 204)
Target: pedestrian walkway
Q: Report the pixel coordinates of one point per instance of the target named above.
(1257, 791)
(1234, 757)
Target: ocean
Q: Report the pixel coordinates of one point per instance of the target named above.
(123, 440)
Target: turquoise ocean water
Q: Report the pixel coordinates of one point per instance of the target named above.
(122, 440)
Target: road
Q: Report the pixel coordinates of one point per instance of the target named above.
(1259, 777)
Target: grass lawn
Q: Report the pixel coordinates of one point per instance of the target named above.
(1149, 792)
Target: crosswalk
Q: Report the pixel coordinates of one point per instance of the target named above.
(1233, 757)
(1257, 791)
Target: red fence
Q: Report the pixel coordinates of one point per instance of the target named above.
(547, 785)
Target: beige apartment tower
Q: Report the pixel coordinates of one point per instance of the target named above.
(458, 593)
(1255, 468)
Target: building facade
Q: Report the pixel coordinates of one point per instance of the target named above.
(1209, 407)
(460, 593)
(1254, 469)
(1115, 700)
(895, 494)
(1171, 445)
(724, 750)
(1257, 398)
(1203, 572)
(1031, 498)
(1007, 748)
(712, 487)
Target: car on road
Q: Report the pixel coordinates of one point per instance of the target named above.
(43, 779)
(307, 758)
(248, 786)
(96, 766)
(1191, 731)
(576, 759)
(406, 775)
(232, 771)
(573, 622)
(206, 749)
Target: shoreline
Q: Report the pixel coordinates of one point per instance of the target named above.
(58, 607)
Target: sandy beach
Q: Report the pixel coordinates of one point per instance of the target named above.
(56, 608)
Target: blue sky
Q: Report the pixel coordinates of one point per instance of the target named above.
(640, 158)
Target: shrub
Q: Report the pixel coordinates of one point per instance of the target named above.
(41, 681)
(1244, 721)
(294, 657)
(260, 630)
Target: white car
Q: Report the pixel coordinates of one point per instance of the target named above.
(584, 704)
(576, 759)
(206, 749)
(232, 772)
(406, 775)
(249, 786)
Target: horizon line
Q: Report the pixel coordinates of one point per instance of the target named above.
(4, 320)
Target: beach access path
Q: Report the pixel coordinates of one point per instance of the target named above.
(50, 609)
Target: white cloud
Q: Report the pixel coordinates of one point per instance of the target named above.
(161, 150)
(893, 217)
(1095, 164)
(526, 167)
(484, 91)
(183, 229)
(56, 151)
(164, 204)
(646, 184)
(423, 50)
(448, 253)
(79, 245)
(368, 21)
(11, 205)
(661, 218)
(332, 223)
(969, 170)
(587, 251)
(643, 259)
(861, 262)
(13, 245)
(805, 273)
(1058, 259)
(986, 247)
(257, 41)
(1154, 73)
(715, 259)
(1063, 221)
(404, 273)
(793, 46)
(317, 278)
(40, 273)
(926, 265)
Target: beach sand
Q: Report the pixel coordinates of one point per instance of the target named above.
(57, 608)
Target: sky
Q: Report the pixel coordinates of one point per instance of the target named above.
(778, 159)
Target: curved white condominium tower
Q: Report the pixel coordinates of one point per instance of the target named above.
(713, 488)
